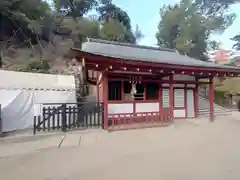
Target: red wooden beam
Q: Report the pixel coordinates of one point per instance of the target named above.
(131, 68)
(104, 59)
(118, 69)
(161, 81)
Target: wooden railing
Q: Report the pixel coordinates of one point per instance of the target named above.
(139, 120)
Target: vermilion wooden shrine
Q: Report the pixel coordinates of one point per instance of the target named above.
(147, 85)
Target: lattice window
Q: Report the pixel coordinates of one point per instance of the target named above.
(179, 98)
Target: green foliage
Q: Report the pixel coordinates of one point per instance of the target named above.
(109, 12)
(33, 66)
(213, 45)
(112, 24)
(214, 6)
(220, 97)
(116, 24)
(187, 27)
(75, 8)
(23, 11)
(90, 28)
(237, 42)
(43, 25)
(38, 66)
(18, 15)
(113, 31)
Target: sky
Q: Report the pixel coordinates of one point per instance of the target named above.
(145, 14)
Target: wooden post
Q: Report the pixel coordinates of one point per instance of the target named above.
(171, 96)
(160, 98)
(144, 91)
(185, 101)
(211, 98)
(105, 100)
(122, 90)
(196, 100)
(98, 100)
(64, 118)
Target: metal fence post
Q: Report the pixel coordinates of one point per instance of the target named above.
(34, 125)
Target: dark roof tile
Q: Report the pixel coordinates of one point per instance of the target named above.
(143, 53)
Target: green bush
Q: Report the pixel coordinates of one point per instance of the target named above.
(220, 97)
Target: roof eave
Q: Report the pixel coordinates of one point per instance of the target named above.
(81, 53)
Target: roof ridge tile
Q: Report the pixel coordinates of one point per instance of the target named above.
(129, 45)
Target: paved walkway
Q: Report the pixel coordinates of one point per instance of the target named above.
(186, 150)
(22, 145)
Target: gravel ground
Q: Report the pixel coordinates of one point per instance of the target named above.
(183, 151)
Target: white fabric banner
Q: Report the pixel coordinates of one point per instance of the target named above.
(20, 106)
(17, 113)
(22, 96)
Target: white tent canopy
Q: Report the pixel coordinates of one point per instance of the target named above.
(22, 96)
(22, 80)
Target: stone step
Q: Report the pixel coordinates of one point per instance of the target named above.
(208, 109)
(201, 113)
(217, 109)
(207, 115)
(215, 112)
(204, 110)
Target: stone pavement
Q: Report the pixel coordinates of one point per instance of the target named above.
(193, 149)
(183, 151)
(21, 146)
(25, 144)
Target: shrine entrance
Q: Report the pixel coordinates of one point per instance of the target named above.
(145, 86)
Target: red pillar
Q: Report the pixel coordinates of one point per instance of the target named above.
(105, 100)
(211, 98)
(171, 96)
(196, 100)
(160, 98)
(185, 101)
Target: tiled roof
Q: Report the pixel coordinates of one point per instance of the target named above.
(143, 53)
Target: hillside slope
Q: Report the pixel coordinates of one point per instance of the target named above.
(231, 85)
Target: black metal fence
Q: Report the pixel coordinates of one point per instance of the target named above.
(65, 117)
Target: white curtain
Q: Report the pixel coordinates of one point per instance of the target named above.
(17, 109)
(20, 106)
